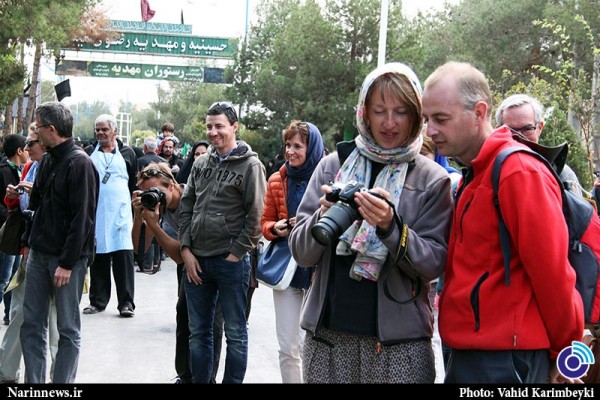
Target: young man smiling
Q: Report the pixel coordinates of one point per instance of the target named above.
(219, 224)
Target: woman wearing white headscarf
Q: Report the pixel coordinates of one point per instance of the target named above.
(367, 312)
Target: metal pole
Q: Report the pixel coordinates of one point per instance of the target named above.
(382, 33)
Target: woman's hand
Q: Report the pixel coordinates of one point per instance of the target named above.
(376, 211)
(325, 205)
(281, 227)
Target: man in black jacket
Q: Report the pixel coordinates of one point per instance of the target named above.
(60, 238)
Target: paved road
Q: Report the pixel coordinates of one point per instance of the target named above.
(141, 349)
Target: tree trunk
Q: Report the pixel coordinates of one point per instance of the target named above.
(596, 112)
(7, 120)
(20, 116)
(29, 117)
(571, 115)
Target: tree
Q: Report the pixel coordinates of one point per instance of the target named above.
(34, 22)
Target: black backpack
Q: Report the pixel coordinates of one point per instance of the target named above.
(584, 236)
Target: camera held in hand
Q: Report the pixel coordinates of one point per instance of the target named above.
(341, 215)
(153, 197)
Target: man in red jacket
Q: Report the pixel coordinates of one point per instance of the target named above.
(499, 333)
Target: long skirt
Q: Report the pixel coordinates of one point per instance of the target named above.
(334, 357)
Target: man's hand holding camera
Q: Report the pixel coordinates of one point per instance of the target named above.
(150, 216)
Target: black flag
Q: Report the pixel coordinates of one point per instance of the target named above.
(63, 90)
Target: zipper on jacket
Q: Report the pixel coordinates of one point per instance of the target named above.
(462, 216)
(475, 299)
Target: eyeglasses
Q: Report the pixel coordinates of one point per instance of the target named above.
(524, 130)
(30, 143)
(151, 173)
(37, 128)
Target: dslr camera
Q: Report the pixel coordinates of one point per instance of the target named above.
(153, 197)
(341, 215)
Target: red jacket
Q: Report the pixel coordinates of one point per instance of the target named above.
(275, 203)
(14, 203)
(541, 308)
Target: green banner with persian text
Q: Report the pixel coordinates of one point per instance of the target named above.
(146, 71)
(144, 43)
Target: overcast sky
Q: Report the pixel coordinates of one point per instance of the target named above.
(216, 18)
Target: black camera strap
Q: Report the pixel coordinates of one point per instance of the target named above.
(402, 253)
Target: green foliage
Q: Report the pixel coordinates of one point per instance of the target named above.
(33, 21)
(84, 117)
(556, 131)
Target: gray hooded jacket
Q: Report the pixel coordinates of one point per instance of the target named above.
(222, 204)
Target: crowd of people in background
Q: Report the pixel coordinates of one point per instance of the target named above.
(381, 231)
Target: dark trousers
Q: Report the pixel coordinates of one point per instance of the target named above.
(122, 269)
(499, 366)
(152, 256)
(182, 334)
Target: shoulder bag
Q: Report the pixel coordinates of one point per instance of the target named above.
(276, 266)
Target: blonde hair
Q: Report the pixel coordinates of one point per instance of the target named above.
(164, 174)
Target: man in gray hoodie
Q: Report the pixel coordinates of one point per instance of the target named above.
(219, 224)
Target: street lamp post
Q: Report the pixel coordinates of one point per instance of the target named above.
(383, 22)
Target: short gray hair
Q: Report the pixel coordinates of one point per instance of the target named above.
(112, 122)
(150, 142)
(517, 100)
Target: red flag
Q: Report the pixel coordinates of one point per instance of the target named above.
(147, 12)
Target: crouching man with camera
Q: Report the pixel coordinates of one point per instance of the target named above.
(159, 199)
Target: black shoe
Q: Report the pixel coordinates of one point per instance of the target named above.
(92, 310)
(127, 312)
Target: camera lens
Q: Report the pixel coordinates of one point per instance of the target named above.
(150, 200)
(333, 223)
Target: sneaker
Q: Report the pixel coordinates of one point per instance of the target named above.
(127, 312)
(92, 310)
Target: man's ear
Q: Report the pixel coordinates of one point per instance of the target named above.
(480, 110)
(541, 126)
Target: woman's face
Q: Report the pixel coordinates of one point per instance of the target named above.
(33, 146)
(295, 151)
(389, 119)
(199, 151)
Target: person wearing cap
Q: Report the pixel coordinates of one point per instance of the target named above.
(219, 225)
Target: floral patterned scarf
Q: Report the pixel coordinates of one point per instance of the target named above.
(360, 237)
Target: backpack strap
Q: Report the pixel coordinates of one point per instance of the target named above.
(496, 169)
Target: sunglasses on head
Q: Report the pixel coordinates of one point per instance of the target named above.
(151, 173)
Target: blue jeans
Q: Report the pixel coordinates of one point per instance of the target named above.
(6, 270)
(39, 289)
(228, 280)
